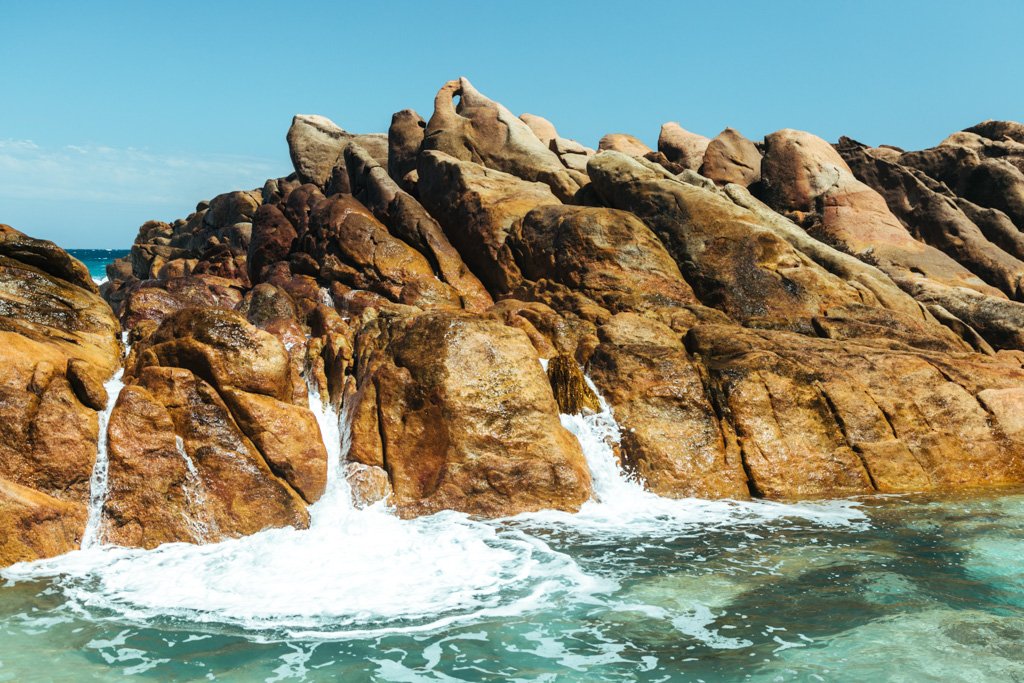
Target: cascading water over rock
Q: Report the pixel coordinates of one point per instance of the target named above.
(93, 534)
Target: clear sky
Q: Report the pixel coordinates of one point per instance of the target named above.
(116, 112)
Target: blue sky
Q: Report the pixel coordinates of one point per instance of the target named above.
(117, 112)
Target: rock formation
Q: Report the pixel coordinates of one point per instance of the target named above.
(781, 319)
(58, 345)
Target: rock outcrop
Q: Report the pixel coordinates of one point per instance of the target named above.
(682, 147)
(58, 345)
(483, 131)
(458, 411)
(783, 319)
(731, 158)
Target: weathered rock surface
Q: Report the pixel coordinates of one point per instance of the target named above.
(731, 158)
(478, 208)
(735, 262)
(316, 144)
(817, 322)
(627, 144)
(541, 127)
(181, 469)
(483, 131)
(818, 417)
(34, 525)
(459, 412)
(671, 436)
(682, 147)
(930, 212)
(807, 177)
(405, 136)
(58, 344)
(409, 221)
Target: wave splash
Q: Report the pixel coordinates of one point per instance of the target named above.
(365, 572)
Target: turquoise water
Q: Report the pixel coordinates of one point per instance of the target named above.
(883, 589)
(97, 259)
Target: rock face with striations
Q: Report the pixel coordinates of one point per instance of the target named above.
(781, 319)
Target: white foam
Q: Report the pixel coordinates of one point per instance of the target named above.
(100, 469)
(621, 506)
(198, 518)
(362, 572)
(336, 502)
(354, 572)
(325, 297)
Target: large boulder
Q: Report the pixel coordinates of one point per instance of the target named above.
(405, 136)
(60, 344)
(478, 208)
(273, 236)
(181, 469)
(819, 417)
(931, 213)
(999, 130)
(316, 144)
(672, 437)
(356, 249)
(625, 143)
(802, 172)
(34, 525)
(734, 262)
(44, 256)
(221, 348)
(541, 127)
(731, 158)
(682, 147)
(406, 219)
(459, 412)
(607, 255)
(485, 132)
(805, 176)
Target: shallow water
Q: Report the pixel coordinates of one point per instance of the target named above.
(882, 589)
(633, 587)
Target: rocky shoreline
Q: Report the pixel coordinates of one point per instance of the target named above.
(784, 319)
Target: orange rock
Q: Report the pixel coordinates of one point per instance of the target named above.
(672, 436)
(35, 525)
(465, 417)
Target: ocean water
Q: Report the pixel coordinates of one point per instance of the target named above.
(883, 589)
(632, 587)
(97, 259)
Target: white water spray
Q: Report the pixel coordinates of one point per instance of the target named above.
(198, 519)
(622, 506)
(354, 572)
(365, 572)
(336, 501)
(100, 470)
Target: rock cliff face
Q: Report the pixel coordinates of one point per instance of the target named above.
(780, 318)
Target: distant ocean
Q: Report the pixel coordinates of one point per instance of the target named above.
(97, 259)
